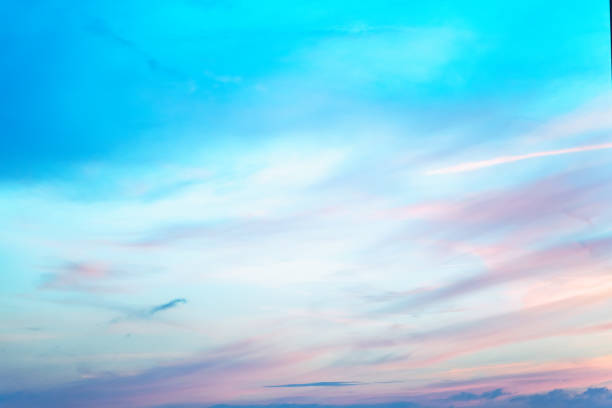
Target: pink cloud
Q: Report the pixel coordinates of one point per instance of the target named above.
(82, 276)
(476, 165)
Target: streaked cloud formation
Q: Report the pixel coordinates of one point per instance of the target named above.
(509, 159)
(374, 204)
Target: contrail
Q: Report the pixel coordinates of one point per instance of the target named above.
(471, 166)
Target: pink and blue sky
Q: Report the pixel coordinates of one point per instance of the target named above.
(376, 203)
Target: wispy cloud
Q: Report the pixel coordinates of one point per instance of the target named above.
(476, 165)
(572, 257)
(166, 306)
(229, 170)
(549, 204)
(230, 230)
(82, 277)
(528, 324)
(317, 384)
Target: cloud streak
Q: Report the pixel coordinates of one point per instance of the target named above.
(476, 165)
(566, 258)
(171, 304)
(317, 384)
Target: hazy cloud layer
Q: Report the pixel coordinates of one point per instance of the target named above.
(332, 203)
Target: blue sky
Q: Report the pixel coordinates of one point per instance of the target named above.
(204, 202)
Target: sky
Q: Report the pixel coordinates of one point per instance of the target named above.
(375, 204)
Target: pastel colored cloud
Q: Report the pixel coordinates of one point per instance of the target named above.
(373, 204)
(460, 168)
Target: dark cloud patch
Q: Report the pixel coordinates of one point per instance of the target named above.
(492, 394)
(166, 306)
(468, 396)
(318, 384)
(591, 398)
